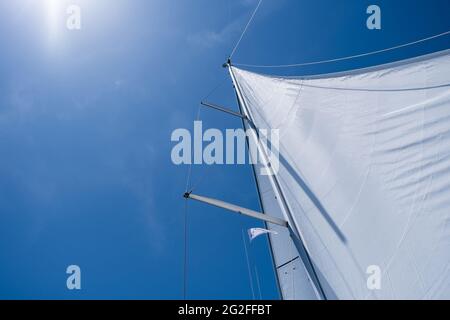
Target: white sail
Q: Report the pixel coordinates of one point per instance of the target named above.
(365, 168)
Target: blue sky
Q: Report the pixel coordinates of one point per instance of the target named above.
(85, 122)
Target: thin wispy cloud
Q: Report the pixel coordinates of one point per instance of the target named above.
(210, 38)
(228, 33)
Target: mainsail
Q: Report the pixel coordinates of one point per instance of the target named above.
(365, 171)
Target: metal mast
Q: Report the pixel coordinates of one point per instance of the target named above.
(292, 226)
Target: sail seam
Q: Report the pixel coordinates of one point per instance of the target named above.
(287, 262)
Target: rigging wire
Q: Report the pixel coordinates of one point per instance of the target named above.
(248, 262)
(189, 188)
(342, 58)
(200, 179)
(185, 250)
(257, 283)
(189, 171)
(215, 88)
(245, 29)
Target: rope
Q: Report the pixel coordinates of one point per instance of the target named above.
(245, 29)
(342, 58)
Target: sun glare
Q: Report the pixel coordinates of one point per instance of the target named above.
(53, 12)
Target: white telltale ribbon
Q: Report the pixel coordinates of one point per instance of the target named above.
(256, 232)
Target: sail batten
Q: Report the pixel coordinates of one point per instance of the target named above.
(364, 168)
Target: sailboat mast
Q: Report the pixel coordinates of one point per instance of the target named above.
(261, 204)
(293, 228)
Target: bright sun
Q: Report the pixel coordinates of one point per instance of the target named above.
(53, 8)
